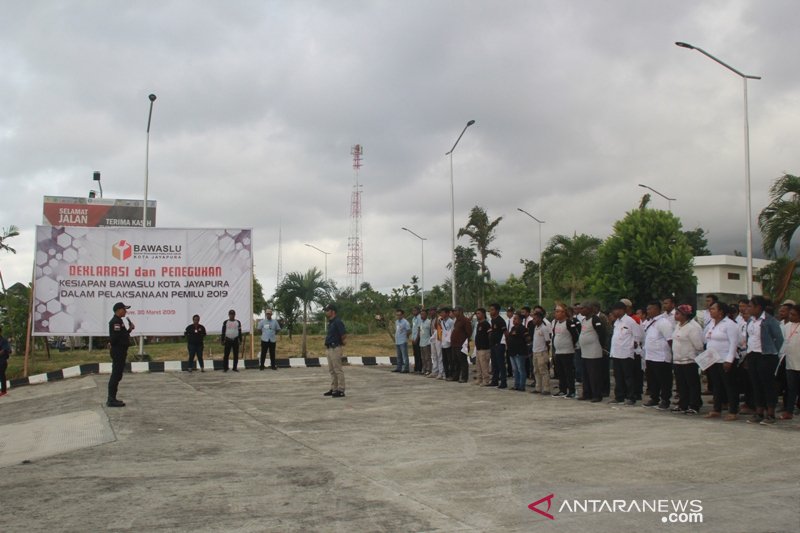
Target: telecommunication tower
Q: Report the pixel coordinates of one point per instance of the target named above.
(355, 250)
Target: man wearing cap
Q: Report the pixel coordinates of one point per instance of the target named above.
(119, 338)
(334, 340)
(230, 339)
(269, 329)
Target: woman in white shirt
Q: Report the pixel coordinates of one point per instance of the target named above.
(722, 336)
(687, 342)
(791, 350)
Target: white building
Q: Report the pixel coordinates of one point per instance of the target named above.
(725, 276)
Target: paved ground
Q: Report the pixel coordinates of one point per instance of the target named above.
(264, 451)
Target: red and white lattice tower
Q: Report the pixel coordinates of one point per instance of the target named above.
(355, 250)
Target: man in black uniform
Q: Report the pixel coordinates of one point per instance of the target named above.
(231, 338)
(194, 334)
(119, 339)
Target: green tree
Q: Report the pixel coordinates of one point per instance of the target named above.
(567, 263)
(646, 257)
(305, 289)
(7, 233)
(697, 241)
(16, 302)
(259, 302)
(779, 279)
(481, 233)
(778, 223)
(468, 277)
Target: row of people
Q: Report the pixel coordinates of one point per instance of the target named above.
(742, 352)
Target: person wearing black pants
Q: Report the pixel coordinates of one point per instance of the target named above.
(5, 351)
(626, 336)
(658, 356)
(722, 338)
(230, 338)
(592, 339)
(416, 322)
(687, 343)
(194, 334)
(764, 341)
(565, 335)
(459, 343)
(498, 348)
(119, 339)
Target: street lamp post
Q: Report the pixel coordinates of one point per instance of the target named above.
(749, 230)
(152, 98)
(453, 214)
(96, 177)
(667, 198)
(540, 249)
(422, 268)
(326, 258)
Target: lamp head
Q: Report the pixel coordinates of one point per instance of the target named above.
(470, 123)
(685, 45)
(96, 175)
(152, 97)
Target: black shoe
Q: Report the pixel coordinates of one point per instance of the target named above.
(663, 406)
(225, 369)
(115, 403)
(596, 400)
(329, 393)
(492, 384)
(396, 370)
(582, 399)
(262, 367)
(503, 386)
(338, 394)
(273, 368)
(235, 370)
(630, 402)
(651, 403)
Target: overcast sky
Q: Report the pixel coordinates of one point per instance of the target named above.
(575, 103)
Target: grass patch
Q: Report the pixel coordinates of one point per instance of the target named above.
(375, 345)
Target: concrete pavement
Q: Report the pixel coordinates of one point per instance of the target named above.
(265, 451)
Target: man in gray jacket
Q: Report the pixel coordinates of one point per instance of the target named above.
(764, 341)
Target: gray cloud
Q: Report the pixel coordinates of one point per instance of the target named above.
(259, 103)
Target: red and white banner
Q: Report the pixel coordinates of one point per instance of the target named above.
(96, 212)
(165, 275)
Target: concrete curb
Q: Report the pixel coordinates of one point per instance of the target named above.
(139, 367)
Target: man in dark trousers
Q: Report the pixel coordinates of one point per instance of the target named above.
(497, 338)
(231, 338)
(5, 351)
(194, 333)
(462, 330)
(119, 338)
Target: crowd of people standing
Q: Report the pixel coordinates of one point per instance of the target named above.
(659, 355)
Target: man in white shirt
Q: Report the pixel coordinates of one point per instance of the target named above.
(658, 357)
(626, 336)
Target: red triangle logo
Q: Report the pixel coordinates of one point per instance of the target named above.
(547, 499)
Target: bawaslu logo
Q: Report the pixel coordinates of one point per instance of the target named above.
(124, 250)
(671, 511)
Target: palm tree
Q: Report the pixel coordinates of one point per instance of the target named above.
(7, 233)
(481, 233)
(568, 261)
(308, 288)
(778, 223)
